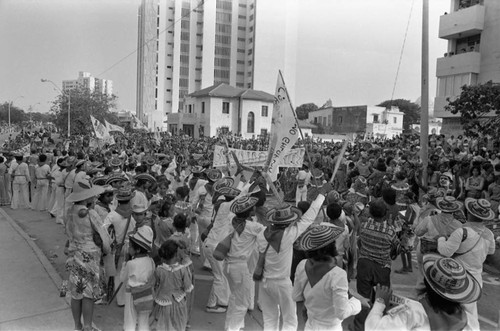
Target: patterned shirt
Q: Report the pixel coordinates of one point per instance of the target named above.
(375, 241)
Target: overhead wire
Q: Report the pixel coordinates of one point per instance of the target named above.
(152, 39)
(402, 51)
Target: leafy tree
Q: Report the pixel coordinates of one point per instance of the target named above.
(410, 109)
(41, 117)
(303, 110)
(479, 108)
(83, 104)
(17, 115)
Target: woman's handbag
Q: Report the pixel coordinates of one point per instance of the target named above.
(222, 248)
(258, 273)
(142, 296)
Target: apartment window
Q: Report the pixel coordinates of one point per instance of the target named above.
(226, 40)
(225, 107)
(251, 6)
(224, 74)
(240, 85)
(184, 48)
(330, 120)
(250, 40)
(240, 62)
(170, 31)
(201, 130)
(240, 73)
(224, 51)
(263, 132)
(185, 24)
(169, 90)
(169, 67)
(250, 51)
(250, 29)
(241, 39)
(184, 58)
(315, 120)
(184, 71)
(203, 107)
(223, 17)
(242, 5)
(190, 109)
(223, 28)
(242, 17)
(220, 62)
(250, 62)
(183, 82)
(185, 36)
(395, 120)
(375, 118)
(185, 12)
(241, 50)
(226, 5)
(264, 111)
(251, 18)
(249, 85)
(242, 28)
(250, 122)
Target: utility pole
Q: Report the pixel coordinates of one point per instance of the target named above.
(424, 117)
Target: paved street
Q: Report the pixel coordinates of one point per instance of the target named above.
(42, 232)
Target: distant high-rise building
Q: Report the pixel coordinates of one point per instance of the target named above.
(188, 45)
(86, 80)
(472, 28)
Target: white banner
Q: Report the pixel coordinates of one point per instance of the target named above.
(113, 127)
(138, 124)
(24, 150)
(100, 130)
(284, 129)
(293, 158)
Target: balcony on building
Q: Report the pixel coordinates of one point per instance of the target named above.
(466, 61)
(464, 22)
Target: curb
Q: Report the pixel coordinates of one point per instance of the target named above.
(51, 271)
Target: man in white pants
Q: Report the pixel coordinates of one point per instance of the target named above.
(275, 289)
(303, 179)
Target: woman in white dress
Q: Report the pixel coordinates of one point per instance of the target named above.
(320, 283)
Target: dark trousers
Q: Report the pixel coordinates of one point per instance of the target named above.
(369, 275)
(406, 259)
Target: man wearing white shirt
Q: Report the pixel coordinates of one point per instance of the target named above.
(276, 242)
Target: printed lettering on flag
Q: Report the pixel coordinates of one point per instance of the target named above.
(284, 129)
(100, 130)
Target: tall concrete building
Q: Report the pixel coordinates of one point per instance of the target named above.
(85, 79)
(472, 28)
(187, 45)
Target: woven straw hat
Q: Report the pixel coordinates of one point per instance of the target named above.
(146, 177)
(448, 204)
(197, 169)
(213, 174)
(125, 193)
(115, 162)
(433, 194)
(223, 182)
(243, 204)
(115, 178)
(317, 236)
(229, 192)
(83, 190)
(449, 279)
(149, 160)
(101, 181)
(283, 215)
(143, 237)
(480, 208)
(69, 161)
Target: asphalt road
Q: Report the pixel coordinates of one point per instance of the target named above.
(50, 238)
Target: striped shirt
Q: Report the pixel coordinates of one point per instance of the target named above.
(375, 239)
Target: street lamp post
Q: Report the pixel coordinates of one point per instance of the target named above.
(10, 104)
(69, 100)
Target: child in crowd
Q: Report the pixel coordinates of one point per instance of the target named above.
(137, 273)
(173, 284)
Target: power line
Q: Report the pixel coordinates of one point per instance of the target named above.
(152, 39)
(401, 55)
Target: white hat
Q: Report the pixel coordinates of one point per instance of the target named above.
(83, 190)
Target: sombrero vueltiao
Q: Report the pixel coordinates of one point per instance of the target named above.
(448, 204)
(243, 204)
(318, 236)
(115, 162)
(101, 181)
(229, 192)
(115, 178)
(197, 169)
(480, 208)
(283, 215)
(149, 160)
(448, 278)
(146, 177)
(223, 182)
(213, 174)
(125, 193)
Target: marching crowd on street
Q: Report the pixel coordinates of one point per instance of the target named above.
(136, 214)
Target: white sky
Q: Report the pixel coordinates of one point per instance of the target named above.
(348, 49)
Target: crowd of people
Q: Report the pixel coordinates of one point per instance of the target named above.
(138, 213)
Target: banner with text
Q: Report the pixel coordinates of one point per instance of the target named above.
(293, 158)
(284, 129)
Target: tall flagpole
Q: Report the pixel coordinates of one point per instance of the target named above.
(424, 117)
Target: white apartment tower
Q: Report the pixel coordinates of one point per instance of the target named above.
(188, 45)
(85, 79)
(472, 28)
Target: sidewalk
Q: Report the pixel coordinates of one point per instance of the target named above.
(29, 284)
